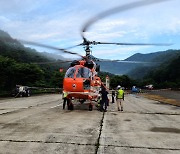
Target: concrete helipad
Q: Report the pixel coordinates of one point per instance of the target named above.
(39, 125)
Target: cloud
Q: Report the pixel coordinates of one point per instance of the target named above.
(19, 6)
(59, 22)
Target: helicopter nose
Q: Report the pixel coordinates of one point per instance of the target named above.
(73, 85)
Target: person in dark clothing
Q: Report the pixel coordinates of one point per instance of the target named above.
(104, 101)
(113, 96)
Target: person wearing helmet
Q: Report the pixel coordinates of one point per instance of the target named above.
(118, 87)
(119, 98)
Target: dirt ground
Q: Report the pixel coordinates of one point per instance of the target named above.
(164, 96)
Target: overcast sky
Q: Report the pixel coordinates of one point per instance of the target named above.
(59, 22)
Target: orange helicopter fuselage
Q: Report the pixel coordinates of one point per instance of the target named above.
(79, 83)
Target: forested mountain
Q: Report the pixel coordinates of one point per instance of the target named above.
(118, 68)
(156, 56)
(168, 75)
(16, 66)
(164, 58)
(135, 69)
(13, 49)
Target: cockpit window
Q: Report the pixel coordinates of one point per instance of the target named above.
(83, 72)
(70, 72)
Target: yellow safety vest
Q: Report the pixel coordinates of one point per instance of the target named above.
(65, 94)
(120, 94)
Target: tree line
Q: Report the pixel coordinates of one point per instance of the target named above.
(16, 73)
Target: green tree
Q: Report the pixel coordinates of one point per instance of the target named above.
(57, 79)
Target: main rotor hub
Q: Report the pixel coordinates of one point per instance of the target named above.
(88, 51)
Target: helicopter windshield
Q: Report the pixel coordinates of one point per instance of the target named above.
(70, 72)
(83, 72)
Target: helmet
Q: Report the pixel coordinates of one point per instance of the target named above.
(118, 87)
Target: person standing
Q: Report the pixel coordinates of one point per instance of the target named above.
(104, 101)
(113, 95)
(120, 97)
(65, 99)
(99, 103)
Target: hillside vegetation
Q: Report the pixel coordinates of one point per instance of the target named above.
(138, 70)
(16, 66)
(165, 76)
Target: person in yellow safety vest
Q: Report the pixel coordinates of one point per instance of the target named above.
(119, 98)
(99, 102)
(65, 99)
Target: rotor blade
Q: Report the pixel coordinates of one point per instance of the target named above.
(117, 9)
(49, 47)
(155, 44)
(54, 62)
(121, 61)
(9, 39)
(127, 61)
(134, 62)
(73, 46)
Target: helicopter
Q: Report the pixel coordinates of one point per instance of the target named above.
(81, 81)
